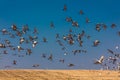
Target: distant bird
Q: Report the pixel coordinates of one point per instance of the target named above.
(44, 39)
(96, 43)
(71, 65)
(29, 51)
(80, 42)
(81, 12)
(14, 27)
(31, 38)
(68, 19)
(60, 43)
(84, 51)
(87, 20)
(80, 35)
(34, 43)
(74, 52)
(14, 62)
(62, 60)
(65, 7)
(2, 45)
(35, 31)
(64, 37)
(88, 36)
(52, 25)
(19, 33)
(35, 65)
(113, 59)
(5, 52)
(110, 51)
(19, 48)
(57, 36)
(118, 33)
(98, 28)
(100, 61)
(13, 48)
(4, 31)
(21, 40)
(75, 24)
(65, 53)
(113, 25)
(70, 30)
(70, 37)
(44, 55)
(104, 26)
(71, 42)
(7, 41)
(35, 37)
(50, 57)
(25, 28)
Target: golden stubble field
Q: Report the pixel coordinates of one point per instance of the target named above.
(59, 75)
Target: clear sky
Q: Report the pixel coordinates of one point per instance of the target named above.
(39, 14)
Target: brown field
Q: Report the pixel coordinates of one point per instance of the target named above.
(59, 75)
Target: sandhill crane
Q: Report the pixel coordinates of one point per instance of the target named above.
(35, 65)
(71, 42)
(7, 42)
(35, 31)
(34, 43)
(4, 31)
(19, 33)
(71, 65)
(75, 24)
(14, 27)
(21, 40)
(25, 29)
(113, 25)
(50, 57)
(100, 61)
(68, 19)
(65, 7)
(81, 12)
(96, 43)
(80, 43)
(2, 45)
(29, 51)
(110, 51)
(14, 62)
(62, 60)
(118, 33)
(98, 27)
(19, 48)
(57, 36)
(31, 38)
(35, 37)
(104, 26)
(5, 52)
(44, 55)
(64, 37)
(87, 20)
(44, 39)
(52, 25)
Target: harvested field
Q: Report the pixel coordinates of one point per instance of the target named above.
(59, 75)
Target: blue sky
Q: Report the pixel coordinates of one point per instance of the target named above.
(39, 14)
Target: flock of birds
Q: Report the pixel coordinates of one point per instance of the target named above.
(16, 33)
(23, 37)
